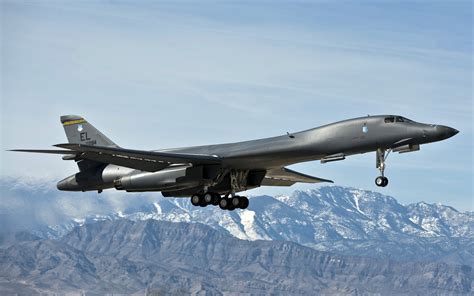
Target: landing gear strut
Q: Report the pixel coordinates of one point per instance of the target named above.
(238, 181)
(381, 181)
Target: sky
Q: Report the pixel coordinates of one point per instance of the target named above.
(154, 75)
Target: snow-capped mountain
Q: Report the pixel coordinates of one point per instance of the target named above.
(342, 220)
(347, 221)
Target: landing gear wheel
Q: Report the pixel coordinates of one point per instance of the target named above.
(244, 202)
(208, 198)
(223, 203)
(196, 200)
(381, 181)
(235, 201)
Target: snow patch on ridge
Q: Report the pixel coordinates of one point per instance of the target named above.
(157, 208)
(247, 219)
(356, 201)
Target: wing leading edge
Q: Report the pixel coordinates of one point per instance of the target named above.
(286, 177)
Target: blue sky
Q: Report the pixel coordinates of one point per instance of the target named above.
(160, 75)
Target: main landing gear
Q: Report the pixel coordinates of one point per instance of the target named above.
(225, 203)
(231, 201)
(381, 181)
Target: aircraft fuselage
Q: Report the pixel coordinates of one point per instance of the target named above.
(348, 137)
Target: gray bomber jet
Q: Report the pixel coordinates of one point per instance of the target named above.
(213, 174)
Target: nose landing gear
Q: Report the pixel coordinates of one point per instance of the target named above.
(381, 156)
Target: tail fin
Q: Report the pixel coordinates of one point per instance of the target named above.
(79, 131)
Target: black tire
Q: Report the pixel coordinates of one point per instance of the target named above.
(379, 181)
(385, 181)
(223, 203)
(196, 200)
(235, 201)
(208, 198)
(244, 202)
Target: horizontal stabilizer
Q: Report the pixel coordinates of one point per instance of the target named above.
(286, 177)
(45, 151)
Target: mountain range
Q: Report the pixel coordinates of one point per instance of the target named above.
(335, 219)
(167, 258)
(342, 220)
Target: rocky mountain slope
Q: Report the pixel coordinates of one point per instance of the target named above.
(123, 256)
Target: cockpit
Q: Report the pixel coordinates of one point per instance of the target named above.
(391, 119)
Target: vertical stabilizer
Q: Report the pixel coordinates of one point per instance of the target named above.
(79, 131)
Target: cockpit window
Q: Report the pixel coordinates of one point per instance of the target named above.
(402, 119)
(389, 119)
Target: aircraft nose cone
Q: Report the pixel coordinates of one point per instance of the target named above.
(445, 132)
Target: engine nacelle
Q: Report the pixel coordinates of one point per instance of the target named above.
(123, 178)
(150, 181)
(172, 178)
